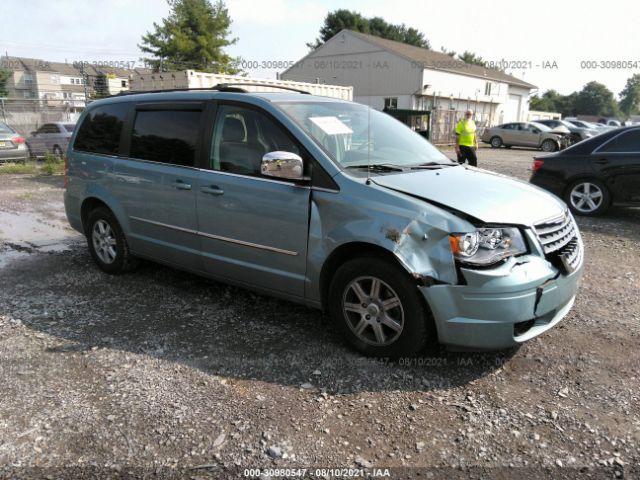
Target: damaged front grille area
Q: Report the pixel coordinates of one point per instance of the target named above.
(561, 242)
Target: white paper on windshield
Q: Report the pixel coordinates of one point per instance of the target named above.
(331, 125)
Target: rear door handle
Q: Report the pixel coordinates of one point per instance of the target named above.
(212, 190)
(602, 161)
(180, 185)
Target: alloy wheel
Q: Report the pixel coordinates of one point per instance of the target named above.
(586, 197)
(373, 311)
(104, 241)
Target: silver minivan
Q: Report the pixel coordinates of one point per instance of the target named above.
(327, 203)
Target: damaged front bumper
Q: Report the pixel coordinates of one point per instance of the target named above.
(503, 306)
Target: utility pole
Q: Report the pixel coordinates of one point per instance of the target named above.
(85, 79)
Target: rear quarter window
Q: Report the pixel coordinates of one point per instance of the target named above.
(101, 129)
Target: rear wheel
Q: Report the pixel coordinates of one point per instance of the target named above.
(587, 197)
(378, 309)
(496, 142)
(107, 243)
(57, 152)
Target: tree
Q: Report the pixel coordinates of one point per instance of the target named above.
(192, 37)
(4, 77)
(451, 53)
(596, 99)
(471, 58)
(342, 19)
(630, 96)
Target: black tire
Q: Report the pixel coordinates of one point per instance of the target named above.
(507, 146)
(57, 152)
(122, 260)
(417, 323)
(549, 146)
(496, 142)
(583, 186)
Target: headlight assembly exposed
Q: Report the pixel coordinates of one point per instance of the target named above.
(487, 246)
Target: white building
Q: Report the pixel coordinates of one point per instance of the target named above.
(385, 73)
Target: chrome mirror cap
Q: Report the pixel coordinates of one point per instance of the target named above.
(282, 165)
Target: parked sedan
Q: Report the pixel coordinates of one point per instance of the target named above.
(12, 145)
(50, 138)
(523, 134)
(594, 174)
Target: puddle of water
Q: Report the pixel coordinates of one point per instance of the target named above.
(30, 232)
(7, 256)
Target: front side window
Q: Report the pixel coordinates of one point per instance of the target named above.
(167, 136)
(354, 134)
(624, 143)
(101, 128)
(241, 138)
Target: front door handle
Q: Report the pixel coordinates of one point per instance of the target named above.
(180, 185)
(602, 161)
(212, 190)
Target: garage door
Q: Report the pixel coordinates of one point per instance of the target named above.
(512, 109)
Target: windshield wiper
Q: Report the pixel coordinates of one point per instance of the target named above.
(379, 167)
(432, 165)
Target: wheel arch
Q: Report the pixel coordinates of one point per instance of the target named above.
(349, 251)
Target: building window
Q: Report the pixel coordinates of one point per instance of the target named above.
(391, 103)
(27, 78)
(487, 89)
(55, 79)
(123, 84)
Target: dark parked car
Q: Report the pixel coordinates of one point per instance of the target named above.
(595, 173)
(12, 145)
(577, 133)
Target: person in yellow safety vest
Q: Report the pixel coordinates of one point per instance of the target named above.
(466, 139)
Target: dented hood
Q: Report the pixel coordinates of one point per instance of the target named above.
(487, 196)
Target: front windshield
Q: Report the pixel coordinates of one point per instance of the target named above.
(355, 135)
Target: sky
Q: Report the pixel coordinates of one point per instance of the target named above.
(552, 39)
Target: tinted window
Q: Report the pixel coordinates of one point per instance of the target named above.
(167, 136)
(4, 128)
(626, 142)
(242, 136)
(508, 126)
(69, 127)
(100, 130)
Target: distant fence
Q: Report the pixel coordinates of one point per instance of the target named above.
(443, 125)
(27, 115)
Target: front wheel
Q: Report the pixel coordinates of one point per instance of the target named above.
(587, 197)
(496, 142)
(549, 146)
(107, 243)
(378, 309)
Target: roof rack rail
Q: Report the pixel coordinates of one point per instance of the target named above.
(228, 86)
(221, 87)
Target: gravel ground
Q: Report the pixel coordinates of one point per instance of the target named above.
(161, 374)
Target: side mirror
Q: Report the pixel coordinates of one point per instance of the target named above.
(282, 165)
(535, 130)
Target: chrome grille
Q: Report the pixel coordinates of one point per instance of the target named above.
(561, 241)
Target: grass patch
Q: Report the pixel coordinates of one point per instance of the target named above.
(50, 166)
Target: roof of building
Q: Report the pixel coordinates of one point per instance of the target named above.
(64, 68)
(439, 61)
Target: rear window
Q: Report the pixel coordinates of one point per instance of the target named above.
(627, 142)
(101, 128)
(5, 128)
(167, 136)
(69, 127)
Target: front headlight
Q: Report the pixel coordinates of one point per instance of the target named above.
(487, 246)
